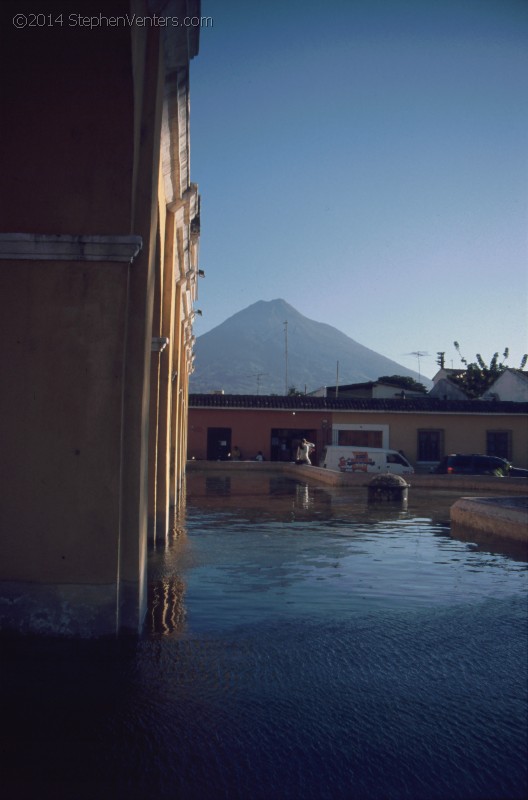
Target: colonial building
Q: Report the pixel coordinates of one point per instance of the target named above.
(98, 274)
(423, 427)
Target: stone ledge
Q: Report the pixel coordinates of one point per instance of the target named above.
(502, 517)
(44, 247)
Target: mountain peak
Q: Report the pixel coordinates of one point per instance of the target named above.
(269, 308)
(247, 354)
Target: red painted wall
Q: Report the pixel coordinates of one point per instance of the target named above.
(251, 430)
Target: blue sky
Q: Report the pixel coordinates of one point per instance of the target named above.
(367, 161)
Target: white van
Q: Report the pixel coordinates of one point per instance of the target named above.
(364, 459)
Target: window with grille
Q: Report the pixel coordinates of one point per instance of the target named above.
(363, 438)
(499, 443)
(430, 445)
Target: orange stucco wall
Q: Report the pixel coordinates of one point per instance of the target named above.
(68, 169)
(62, 343)
(82, 112)
(251, 429)
(463, 433)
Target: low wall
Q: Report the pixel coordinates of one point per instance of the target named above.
(502, 517)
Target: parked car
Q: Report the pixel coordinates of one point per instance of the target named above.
(474, 464)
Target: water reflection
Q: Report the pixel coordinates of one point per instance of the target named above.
(166, 607)
(217, 485)
(278, 545)
(265, 491)
(299, 645)
(334, 649)
(259, 497)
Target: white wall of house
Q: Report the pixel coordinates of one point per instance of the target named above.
(511, 385)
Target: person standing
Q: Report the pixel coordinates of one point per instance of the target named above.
(303, 452)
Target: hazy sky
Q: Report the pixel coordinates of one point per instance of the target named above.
(367, 161)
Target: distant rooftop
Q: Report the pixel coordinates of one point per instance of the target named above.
(309, 403)
(357, 388)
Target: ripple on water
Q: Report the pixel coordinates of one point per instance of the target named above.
(292, 654)
(389, 704)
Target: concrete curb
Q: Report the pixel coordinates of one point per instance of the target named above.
(502, 517)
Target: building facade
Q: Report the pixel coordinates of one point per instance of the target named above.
(424, 428)
(99, 233)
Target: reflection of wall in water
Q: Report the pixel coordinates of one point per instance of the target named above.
(217, 485)
(303, 495)
(282, 485)
(300, 492)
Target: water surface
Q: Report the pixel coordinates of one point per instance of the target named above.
(299, 644)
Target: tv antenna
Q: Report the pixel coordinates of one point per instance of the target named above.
(258, 376)
(418, 354)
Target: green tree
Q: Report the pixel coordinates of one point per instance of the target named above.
(404, 381)
(479, 376)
